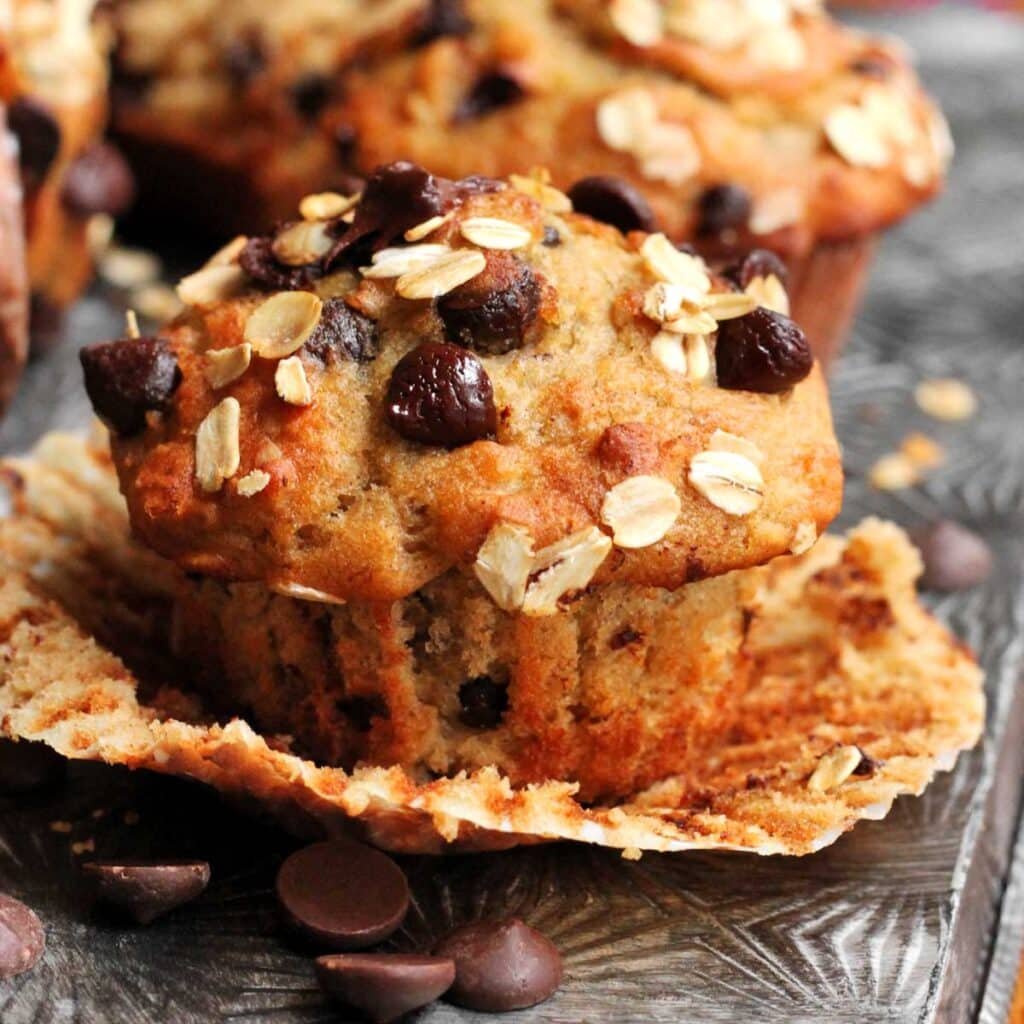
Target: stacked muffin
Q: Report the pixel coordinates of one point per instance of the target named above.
(732, 124)
(463, 478)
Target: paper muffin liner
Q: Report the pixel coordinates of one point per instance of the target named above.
(859, 696)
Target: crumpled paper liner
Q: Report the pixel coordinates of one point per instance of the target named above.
(844, 655)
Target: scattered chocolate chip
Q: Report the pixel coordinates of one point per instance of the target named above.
(722, 208)
(342, 895)
(38, 135)
(612, 201)
(492, 90)
(441, 18)
(954, 557)
(22, 939)
(257, 259)
(384, 986)
(27, 767)
(343, 333)
(551, 237)
(501, 966)
(396, 197)
(626, 637)
(483, 702)
(146, 890)
(493, 312)
(245, 57)
(127, 379)
(361, 711)
(757, 263)
(440, 395)
(309, 94)
(762, 351)
(98, 180)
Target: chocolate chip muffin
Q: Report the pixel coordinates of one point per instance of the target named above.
(53, 82)
(467, 374)
(731, 124)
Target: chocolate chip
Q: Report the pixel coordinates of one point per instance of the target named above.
(310, 93)
(245, 57)
(494, 311)
(441, 18)
(483, 702)
(27, 767)
(867, 765)
(98, 180)
(38, 135)
(441, 395)
(343, 334)
(954, 557)
(145, 890)
(762, 351)
(345, 140)
(722, 208)
(384, 986)
(501, 966)
(257, 259)
(342, 895)
(551, 237)
(626, 637)
(757, 263)
(127, 379)
(22, 939)
(492, 90)
(361, 711)
(612, 201)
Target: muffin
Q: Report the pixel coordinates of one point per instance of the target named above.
(729, 124)
(53, 82)
(472, 479)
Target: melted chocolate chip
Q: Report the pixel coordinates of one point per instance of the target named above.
(310, 94)
(762, 351)
(501, 966)
(722, 208)
(343, 333)
(257, 259)
(552, 238)
(38, 135)
(99, 180)
(954, 557)
(245, 58)
(22, 939)
(441, 18)
(397, 196)
(626, 637)
(145, 890)
(495, 310)
(384, 986)
(483, 702)
(441, 395)
(127, 379)
(757, 263)
(612, 201)
(492, 90)
(28, 767)
(342, 895)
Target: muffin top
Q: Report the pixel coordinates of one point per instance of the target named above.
(739, 123)
(441, 373)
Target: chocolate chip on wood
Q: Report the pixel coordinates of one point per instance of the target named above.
(22, 939)
(384, 986)
(342, 895)
(501, 965)
(954, 557)
(145, 890)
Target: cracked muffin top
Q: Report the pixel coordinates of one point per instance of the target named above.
(740, 123)
(443, 373)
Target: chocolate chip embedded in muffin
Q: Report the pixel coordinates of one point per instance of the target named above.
(483, 701)
(757, 263)
(259, 261)
(440, 395)
(245, 57)
(494, 311)
(98, 181)
(441, 18)
(310, 94)
(127, 379)
(343, 333)
(492, 90)
(613, 201)
(38, 135)
(762, 351)
(723, 208)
